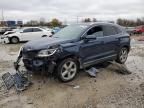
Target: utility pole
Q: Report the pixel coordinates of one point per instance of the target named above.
(2, 14)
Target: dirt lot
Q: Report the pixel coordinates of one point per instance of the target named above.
(109, 89)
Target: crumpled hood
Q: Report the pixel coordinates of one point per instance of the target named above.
(43, 43)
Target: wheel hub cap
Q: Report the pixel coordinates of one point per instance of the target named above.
(68, 70)
(123, 55)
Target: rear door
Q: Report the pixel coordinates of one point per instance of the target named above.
(37, 33)
(111, 39)
(26, 34)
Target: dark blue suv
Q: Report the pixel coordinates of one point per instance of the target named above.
(76, 47)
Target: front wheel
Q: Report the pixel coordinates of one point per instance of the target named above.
(122, 55)
(14, 40)
(67, 70)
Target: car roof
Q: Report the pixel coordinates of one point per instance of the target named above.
(31, 27)
(97, 23)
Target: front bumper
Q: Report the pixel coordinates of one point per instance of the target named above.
(39, 64)
(5, 40)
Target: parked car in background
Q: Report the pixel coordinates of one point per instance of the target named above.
(76, 47)
(48, 29)
(130, 30)
(25, 34)
(4, 29)
(139, 30)
(10, 32)
(55, 30)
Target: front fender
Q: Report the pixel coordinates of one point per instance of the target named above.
(69, 49)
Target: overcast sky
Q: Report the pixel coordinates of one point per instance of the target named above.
(69, 9)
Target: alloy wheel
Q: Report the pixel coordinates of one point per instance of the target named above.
(14, 40)
(68, 70)
(123, 55)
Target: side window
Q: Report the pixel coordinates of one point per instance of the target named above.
(97, 31)
(110, 30)
(118, 30)
(28, 30)
(36, 30)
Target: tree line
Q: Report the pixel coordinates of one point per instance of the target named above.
(130, 23)
(53, 23)
(57, 23)
(121, 21)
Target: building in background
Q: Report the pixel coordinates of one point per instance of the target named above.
(11, 23)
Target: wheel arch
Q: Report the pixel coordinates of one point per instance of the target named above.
(73, 56)
(14, 37)
(126, 46)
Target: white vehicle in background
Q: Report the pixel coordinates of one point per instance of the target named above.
(10, 32)
(48, 29)
(25, 34)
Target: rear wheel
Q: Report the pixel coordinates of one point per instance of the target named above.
(67, 70)
(14, 40)
(122, 56)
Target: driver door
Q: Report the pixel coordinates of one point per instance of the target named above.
(92, 49)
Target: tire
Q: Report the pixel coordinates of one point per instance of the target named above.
(14, 40)
(67, 70)
(122, 55)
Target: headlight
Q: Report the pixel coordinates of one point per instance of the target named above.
(47, 52)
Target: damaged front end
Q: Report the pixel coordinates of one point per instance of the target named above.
(38, 60)
(39, 64)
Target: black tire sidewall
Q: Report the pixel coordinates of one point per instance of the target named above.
(60, 78)
(11, 40)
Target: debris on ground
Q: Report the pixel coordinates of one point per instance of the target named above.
(76, 87)
(8, 80)
(92, 71)
(121, 68)
(19, 81)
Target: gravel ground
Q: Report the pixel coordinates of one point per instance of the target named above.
(109, 89)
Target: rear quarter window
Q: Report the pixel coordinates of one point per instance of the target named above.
(36, 30)
(28, 30)
(111, 30)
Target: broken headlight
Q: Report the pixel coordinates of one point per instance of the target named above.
(47, 52)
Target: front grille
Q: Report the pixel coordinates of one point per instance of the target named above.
(30, 54)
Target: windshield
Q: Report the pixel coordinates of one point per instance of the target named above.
(70, 32)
